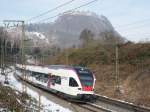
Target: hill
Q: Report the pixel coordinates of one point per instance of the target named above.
(66, 29)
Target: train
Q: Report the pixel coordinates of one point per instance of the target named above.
(71, 82)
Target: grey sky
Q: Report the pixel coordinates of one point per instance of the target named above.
(120, 13)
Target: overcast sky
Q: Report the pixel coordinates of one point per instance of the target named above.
(131, 18)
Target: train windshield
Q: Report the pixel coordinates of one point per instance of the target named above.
(85, 76)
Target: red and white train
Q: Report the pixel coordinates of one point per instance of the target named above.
(71, 82)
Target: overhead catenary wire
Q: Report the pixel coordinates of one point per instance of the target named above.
(134, 27)
(51, 10)
(133, 23)
(137, 25)
(68, 11)
(136, 32)
(71, 11)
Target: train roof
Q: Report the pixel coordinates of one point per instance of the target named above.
(54, 68)
(65, 66)
(57, 66)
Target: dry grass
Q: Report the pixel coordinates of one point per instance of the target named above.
(13, 100)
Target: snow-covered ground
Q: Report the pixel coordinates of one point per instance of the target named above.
(47, 105)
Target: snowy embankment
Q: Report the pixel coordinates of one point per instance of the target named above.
(45, 104)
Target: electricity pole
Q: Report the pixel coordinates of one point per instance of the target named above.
(67, 60)
(66, 54)
(2, 54)
(117, 68)
(39, 105)
(17, 23)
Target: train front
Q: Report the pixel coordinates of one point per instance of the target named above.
(87, 81)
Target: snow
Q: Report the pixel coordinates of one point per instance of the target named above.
(4, 110)
(37, 34)
(47, 105)
(2, 79)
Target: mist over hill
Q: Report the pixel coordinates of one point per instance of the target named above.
(66, 29)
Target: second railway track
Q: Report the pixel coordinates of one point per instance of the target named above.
(119, 106)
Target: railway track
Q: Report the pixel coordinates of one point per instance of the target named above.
(95, 108)
(119, 106)
(103, 104)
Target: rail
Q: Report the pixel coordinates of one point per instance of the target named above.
(122, 104)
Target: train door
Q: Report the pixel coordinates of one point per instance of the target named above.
(64, 84)
(49, 82)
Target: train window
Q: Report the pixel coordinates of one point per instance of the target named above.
(45, 78)
(53, 79)
(57, 79)
(34, 74)
(85, 76)
(42, 77)
(73, 82)
(19, 69)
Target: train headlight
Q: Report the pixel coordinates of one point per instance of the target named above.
(79, 88)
